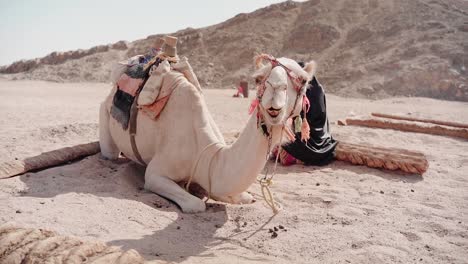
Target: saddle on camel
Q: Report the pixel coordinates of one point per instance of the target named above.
(139, 81)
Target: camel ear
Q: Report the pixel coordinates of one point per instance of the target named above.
(258, 61)
(310, 68)
(259, 75)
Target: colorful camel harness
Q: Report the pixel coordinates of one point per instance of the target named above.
(298, 83)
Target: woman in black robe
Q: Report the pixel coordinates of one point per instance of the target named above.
(319, 149)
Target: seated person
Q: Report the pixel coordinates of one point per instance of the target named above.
(319, 149)
(240, 92)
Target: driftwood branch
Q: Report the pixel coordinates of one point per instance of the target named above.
(48, 159)
(409, 126)
(423, 120)
(385, 158)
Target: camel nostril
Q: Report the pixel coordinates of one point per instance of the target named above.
(274, 109)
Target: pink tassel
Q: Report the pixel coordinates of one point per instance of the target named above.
(253, 105)
(305, 130)
(305, 104)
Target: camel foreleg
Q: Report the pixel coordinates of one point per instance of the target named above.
(169, 189)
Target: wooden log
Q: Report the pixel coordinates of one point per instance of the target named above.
(48, 159)
(382, 158)
(408, 126)
(423, 120)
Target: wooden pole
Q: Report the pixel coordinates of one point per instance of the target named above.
(408, 126)
(423, 120)
(48, 159)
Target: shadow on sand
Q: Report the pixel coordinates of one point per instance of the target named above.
(188, 235)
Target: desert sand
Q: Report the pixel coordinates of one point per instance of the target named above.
(334, 214)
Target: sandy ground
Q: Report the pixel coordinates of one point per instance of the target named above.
(334, 214)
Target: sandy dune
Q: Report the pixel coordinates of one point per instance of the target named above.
(335, 214)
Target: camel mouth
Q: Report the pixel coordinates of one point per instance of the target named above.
(273, 112)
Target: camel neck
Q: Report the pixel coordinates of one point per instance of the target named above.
(236, 167)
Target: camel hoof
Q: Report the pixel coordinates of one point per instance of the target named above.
(242, 198)
(196, 206)
(245, 198)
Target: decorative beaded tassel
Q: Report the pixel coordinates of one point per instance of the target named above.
(297, 124)
(305, 130)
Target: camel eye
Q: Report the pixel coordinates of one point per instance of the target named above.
(304, 82)
(258, 80)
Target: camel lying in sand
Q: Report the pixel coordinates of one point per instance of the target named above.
(185, 144)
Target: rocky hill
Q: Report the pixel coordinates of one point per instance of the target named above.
(373, 48)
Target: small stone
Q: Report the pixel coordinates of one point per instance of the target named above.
(217, 225)
(42, 202)
(281, 227)
(382, 192)
(317, 184)
(245, 224)
(178, 227)
(270, 230)
(274, 235)
(18, 211)
(275, 228)
(412, 190)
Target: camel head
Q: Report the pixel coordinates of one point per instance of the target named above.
(281, 86)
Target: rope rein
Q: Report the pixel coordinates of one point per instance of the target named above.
(298, 83)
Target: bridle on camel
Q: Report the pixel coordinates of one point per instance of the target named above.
(298, 83)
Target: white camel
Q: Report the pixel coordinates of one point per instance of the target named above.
(185, 144)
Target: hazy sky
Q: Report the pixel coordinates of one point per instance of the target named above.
(35, 28)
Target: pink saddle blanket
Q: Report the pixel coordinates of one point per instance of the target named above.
(128, 84)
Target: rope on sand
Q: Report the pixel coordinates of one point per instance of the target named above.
(47, 159)
(28, 245)
(385, 158)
